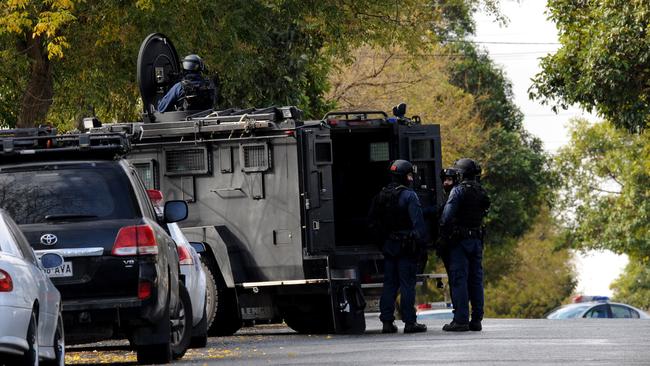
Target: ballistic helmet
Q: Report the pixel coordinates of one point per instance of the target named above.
(192, 63)
(449, 173)
(468, 169)
(401, 168)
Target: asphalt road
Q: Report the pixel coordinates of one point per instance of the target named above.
(502, 342)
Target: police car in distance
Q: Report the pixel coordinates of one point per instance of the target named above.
(596, 307)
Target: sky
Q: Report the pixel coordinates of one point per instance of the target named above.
(517, 47)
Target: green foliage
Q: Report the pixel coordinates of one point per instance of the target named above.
(516, 169)
(606, 196)
(475, 73)
(633, 286)
(266, 52)
(604, 61)
(541, 278)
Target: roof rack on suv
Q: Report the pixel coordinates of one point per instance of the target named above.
(43, 142)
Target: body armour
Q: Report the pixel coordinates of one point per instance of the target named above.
(473, 205)
(390, 216)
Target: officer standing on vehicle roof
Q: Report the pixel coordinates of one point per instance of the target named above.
(192, 85)
(397, 212)
(461, 232)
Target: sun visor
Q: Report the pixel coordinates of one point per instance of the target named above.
(158, 69)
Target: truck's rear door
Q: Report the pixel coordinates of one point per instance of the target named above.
(420, 144)
(316, 187)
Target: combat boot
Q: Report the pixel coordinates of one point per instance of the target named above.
(415, 328)
(475, 325)
(389, 327)
(455, 327)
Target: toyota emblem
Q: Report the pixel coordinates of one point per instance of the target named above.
(49, 239)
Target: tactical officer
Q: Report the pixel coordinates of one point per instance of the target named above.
(197, 92)
(450, 178)
(462, 234)
(398, 213)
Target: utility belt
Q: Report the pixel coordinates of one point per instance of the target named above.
(399, 236)
(469, 232)
(407, 244)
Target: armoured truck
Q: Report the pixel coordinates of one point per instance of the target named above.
(278, 204)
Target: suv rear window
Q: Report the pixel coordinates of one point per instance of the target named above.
(95, 193)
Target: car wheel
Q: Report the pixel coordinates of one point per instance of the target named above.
(313, 316)
(154, 354)
(210, 294)
(160, 353)
(31, 355)
(226, 310)
(59, 346)
(200, 340)
(181, 325)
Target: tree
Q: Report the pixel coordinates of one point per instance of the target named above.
(605, 200)
(604, 61)
(82, 53)
(35, 28)
(541, 279)
(633, 286)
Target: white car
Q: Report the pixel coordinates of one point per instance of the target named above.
(31, 327)
(597, 309)
(195, 283)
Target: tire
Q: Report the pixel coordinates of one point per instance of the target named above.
(210, 293)
(312, 316)
(59, 346)
(181, 325)
(160, 353)
(226, 321)
(154, 354)
(200, 340)
(30, 357)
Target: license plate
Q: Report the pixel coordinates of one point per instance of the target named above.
(64, 270)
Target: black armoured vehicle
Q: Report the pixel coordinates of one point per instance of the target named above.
(71, 195)
(280, 203)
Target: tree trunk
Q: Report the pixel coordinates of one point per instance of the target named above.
(40, 87)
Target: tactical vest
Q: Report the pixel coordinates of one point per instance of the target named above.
(198, 94)
(394, 218)
(473, 205)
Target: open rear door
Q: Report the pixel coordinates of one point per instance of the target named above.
(420, 144)
(317, 189)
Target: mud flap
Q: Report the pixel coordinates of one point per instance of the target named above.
(349, 306)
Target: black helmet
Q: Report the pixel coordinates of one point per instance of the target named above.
(450, 173)
(401, 167)
(193, 63)
(468, 169)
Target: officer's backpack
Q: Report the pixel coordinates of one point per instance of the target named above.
(198, 95)
(386, 216)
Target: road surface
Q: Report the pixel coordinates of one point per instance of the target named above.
(502, 342)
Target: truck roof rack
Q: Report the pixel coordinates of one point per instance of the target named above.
(209, 122)
(355, 115)
(43, 143)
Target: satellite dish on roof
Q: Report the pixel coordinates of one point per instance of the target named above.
(158, 70)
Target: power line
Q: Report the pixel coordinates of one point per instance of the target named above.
(512, 43)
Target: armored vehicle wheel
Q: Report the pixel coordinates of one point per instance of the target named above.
(226, 320)
(313, 316)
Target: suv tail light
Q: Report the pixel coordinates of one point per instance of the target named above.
(184, 256)
(135, 240)
(6, 284)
